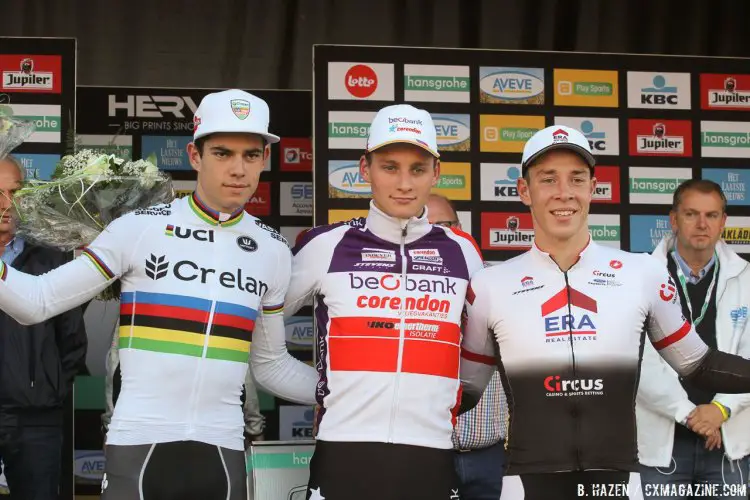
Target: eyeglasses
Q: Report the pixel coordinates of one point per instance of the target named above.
(446, 223)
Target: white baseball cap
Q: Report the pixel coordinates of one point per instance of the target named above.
(403, 123)
(556, 137)
(232, 111)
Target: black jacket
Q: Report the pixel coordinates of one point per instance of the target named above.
(39, 362)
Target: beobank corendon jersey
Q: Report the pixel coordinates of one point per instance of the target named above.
(570, 346)
(389, 296)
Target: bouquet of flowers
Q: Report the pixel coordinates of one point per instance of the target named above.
(12, 130)
(87, 191)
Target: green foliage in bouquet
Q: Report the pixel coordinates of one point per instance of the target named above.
(87, 191)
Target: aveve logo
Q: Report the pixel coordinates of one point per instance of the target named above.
(668, 290)
(361, 81)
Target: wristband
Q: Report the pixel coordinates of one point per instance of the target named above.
(724, 410)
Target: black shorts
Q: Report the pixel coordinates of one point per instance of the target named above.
(575, 485)
(376, 471)
(180, 470)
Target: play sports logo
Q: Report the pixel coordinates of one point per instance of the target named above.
(39, 74)
(507, 133)
(660, 138)
(455, 181)
(436, 83)
(658, 90)
(582, 87)
(725, 139)
(725, 91)
(603, 134)
(360, 81)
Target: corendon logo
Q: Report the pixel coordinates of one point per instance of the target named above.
(559, 386)
(560, 327)
(668, 290)
(361, 81)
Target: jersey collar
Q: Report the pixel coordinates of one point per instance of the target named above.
(391, 229)
(545, 257)
(204, 213)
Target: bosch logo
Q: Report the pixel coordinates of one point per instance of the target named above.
(246, 243)
(558, 386)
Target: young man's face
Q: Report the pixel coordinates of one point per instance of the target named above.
(229, 169)
(558, 192)
(401, 177)
(699, 220)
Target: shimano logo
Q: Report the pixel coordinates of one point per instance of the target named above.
(145, 106)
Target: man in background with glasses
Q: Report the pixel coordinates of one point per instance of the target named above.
(479, 435)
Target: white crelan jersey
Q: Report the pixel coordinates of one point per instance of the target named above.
(570, 346)
(389, 297)
(197, 287)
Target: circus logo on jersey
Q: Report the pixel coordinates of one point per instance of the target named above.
(569, 314)
(668, 291)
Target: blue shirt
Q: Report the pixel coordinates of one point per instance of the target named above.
(690, 277)
(12, 250)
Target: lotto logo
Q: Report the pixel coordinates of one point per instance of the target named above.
(361, 81)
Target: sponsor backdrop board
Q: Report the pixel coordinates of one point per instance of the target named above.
(138, 122)
(651, 121)
(37, 83)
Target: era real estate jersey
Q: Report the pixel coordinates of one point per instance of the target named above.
(195, 286)
(570, 346)
(389, 296)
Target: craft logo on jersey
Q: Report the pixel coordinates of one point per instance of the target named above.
(725, 92)
(660, 137)
(559, 386)
(185, 233)
(668, 291)
(559, 325)
(28, 77)
(240, 108)
(187, 270)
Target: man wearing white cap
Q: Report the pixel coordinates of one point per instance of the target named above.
(569, 318)
(389, 291)
(199, 277)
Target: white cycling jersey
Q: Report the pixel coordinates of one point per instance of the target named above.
(570, 346)
(389, 297)
(196, 286)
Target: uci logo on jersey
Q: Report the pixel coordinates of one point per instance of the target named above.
(185, 233)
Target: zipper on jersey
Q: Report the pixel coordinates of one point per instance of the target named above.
(575, 412)
(402, 324)
(198, 376)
